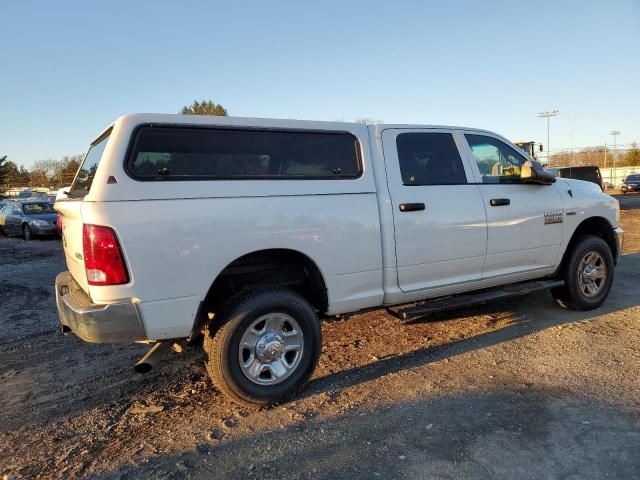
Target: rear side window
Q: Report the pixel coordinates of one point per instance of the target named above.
(187, 153)
(84, 177)
(429, 159)
(588, 174)
(35, 208)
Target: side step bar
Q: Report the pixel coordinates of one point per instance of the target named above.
(469, 299)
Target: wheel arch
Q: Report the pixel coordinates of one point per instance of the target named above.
(282, 267)
(598, 226)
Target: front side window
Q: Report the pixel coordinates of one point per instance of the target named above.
(497, 161)
(190, 153)
(429, 159)
(84, 177)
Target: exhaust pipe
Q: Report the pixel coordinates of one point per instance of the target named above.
(152, 357)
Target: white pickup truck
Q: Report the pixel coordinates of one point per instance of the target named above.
(249, 230)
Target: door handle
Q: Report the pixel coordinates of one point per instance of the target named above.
(499, 202)
(412, 207)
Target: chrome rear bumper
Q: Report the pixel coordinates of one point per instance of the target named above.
(110, 323)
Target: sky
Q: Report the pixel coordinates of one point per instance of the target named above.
(69, 68)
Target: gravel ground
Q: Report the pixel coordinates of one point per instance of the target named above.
(520, 389)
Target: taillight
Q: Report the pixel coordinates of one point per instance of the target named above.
(103, 258)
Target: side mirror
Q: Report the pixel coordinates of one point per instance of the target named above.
(540, 147)
(534, 172)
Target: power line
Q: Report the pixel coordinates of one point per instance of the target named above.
(625, 146)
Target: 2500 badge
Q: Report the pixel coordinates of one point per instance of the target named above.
(554, 216)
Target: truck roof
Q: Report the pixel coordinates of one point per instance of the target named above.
(138, 118)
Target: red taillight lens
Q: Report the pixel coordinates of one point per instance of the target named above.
(103, 258)
(59, 223)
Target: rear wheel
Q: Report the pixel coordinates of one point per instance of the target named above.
(27, 232)
(266, 345)
(588, 274)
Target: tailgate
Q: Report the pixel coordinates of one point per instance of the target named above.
(70, 210)
(71, 216)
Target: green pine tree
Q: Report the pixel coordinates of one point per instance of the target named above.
(205, 107)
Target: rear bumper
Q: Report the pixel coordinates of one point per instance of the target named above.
(619, 234)
(111, 323)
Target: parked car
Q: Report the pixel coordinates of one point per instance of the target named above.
(28, 218)
(586, 173)
(249, 230)
(630, 184)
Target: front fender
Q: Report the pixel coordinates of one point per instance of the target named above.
(585, 202)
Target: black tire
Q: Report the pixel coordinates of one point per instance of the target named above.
(222, 342)
(572, 296)
(27, 233)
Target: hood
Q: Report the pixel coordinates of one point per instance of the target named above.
(575, 184)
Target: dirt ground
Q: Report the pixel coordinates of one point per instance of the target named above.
(520, 389)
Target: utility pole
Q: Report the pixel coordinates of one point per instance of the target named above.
(605, 163)
(615, 134)
(547, 115)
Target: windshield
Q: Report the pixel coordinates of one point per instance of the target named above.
(35, 208)
(633, 178)
(84, 177)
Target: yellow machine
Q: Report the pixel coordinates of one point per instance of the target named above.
(529, 147)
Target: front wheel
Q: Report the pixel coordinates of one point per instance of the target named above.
(27, 233)
(588, 274)
(266, 346)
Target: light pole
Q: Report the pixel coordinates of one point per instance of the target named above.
(547, 115)
(615, 134)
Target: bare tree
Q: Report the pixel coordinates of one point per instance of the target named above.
(595, 156)
(54, 172)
